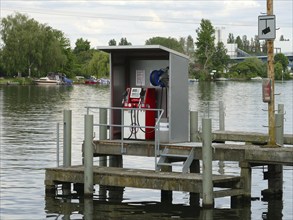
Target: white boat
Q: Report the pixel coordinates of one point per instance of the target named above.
(47, 81)
(53, 79)
(256, 78)
(221, 79)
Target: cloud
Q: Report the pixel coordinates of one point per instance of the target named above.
(138, 21)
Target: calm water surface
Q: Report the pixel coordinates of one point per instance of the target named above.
(29, 114)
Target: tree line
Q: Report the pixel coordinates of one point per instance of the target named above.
(32, 49)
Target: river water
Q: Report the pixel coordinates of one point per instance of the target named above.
(29, 115)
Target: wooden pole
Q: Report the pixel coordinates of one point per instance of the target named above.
(271, 76)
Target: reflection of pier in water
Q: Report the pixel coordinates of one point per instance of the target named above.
(113, 207)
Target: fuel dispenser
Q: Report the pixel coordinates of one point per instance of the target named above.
(137, 99)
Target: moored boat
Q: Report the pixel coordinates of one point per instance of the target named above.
(258, 78)
(47, 81)
(53, 79)
(92, 80)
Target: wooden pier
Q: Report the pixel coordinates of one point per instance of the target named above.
(110, 173)
(234, 186)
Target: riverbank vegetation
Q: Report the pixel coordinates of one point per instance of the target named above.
(30, 49)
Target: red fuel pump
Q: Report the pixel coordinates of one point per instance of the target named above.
(139, 98)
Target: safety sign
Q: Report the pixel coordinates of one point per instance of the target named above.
(266, 27)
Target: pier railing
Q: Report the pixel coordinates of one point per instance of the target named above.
(104, 125)
(214, 110)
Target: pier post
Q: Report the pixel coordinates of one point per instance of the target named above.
(103, 120)
(67, 121)
(88, 207)
(275, 171)
(166, 195)
(67, 128)
(103, 133)
(194, 197)
(279, 119)
(88, 155)
(221, 116)
(194, 126)
(115, 192)
(103, 136)
(245, 199)
(280, 125)
(275, 183)
(208, 200)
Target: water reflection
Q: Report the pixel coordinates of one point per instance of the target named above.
(74, 208)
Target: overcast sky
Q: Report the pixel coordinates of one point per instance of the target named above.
(100, 21)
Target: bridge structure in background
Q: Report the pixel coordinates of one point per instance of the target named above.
(242, 55)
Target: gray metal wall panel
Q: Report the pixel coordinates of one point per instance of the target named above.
(178, 99)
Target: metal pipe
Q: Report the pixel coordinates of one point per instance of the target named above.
(103, 133)
(103, 120)
(221, 116)
(279, 119)
(67, 118)
(280, 125)
(88, 155)
(281, 109)
(207, 163)
(58, 145)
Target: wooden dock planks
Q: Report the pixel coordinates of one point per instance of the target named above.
(149, 179)
(252, 137)
(225, 152)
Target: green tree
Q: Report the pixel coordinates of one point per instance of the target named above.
(189, 46)
(231, 39)
(98, 65)
(282, 59)
(205, 47)
(112, 42)
(56, 51)
(278, 69)
(250, 67)
(246, 45)
(30, 48)
(257, 45)
(220, 58)
(81, 45)
(82, 56)
(239, 42)
(169, 42)
(123, 41)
